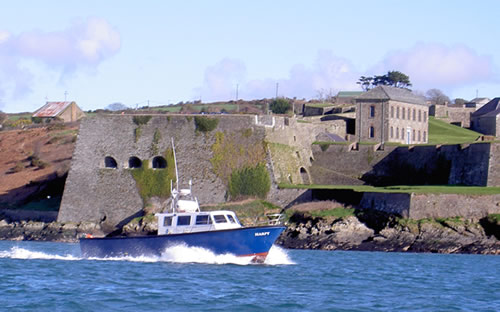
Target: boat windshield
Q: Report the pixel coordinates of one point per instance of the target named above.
(231, 219)
(220, 219)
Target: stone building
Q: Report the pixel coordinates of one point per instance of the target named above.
(486, 120)
(65, 111)
(389, 114)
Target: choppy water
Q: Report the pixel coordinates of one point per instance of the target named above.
(52, 277)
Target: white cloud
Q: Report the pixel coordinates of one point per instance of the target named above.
(432, 65)
(85, 44)
(329, 73)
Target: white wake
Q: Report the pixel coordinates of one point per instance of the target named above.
(21, 253)
(175, 254)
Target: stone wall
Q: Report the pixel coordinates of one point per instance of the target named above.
(421, 206)
(460, 116)
(96, 193)
(468, 164)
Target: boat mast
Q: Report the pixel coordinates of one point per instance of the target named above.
(176, 172)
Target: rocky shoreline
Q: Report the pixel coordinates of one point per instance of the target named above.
(429, 235)
(363, 233)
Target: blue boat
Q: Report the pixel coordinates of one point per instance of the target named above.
(185, 224)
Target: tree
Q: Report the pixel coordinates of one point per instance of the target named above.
(459, 101)
(392, 78)
(365, 82)
(116, 107)
(398, 79)
(280, 106)
(437, 97)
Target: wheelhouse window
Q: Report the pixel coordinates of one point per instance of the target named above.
(167, 221)
(183, 220)
(231, 219)
(220, 219)
(203, 219)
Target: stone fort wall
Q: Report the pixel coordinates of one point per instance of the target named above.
(99, 194)
(96, 193)
(466, 164)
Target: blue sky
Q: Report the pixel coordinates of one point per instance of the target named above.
(102, 52)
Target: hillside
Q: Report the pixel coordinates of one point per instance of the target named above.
(34, 163)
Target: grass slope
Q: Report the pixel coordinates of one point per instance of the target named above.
(443, 133)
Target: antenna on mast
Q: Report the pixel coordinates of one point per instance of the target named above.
(175, 162)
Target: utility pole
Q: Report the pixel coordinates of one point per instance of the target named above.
(237, 92)
(277, 86)
(65, 95)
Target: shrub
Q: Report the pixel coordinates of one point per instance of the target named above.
(205, 124)
(141, 119)
(152, 182)
(250, 182)
(280, 106)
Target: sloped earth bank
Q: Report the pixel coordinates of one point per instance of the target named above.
(387, 234)
(375, 233)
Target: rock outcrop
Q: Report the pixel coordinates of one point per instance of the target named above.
(349, 233)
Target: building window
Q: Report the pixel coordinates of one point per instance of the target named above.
(413, 136)
(371, 133)
(424, 138)
(372, 111)
(397, 133)
(403, 114)
(392, 132)
(392, 111)
(409, 113)
(414, 119)
(425, 116)
(419, 115)
(418, 135)
(397, 112)
(402, 133)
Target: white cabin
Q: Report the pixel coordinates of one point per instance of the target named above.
(189, 222)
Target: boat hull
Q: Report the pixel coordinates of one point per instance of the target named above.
(250, 241)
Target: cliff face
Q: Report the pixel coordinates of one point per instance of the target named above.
(376, 234)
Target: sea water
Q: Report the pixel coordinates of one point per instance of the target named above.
(37, 276)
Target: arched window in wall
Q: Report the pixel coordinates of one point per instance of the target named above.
(110, 162)
(159, 163)
(134, 162)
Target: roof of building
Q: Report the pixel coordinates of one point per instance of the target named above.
(52, 109)
(392, 93)
(480, 99)
(349, 93)
(490, 109)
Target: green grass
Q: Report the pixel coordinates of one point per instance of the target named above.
(494, 218)
(443, 133)
(418, 189)
(338, 212)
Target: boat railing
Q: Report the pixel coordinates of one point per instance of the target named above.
(271, 219)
